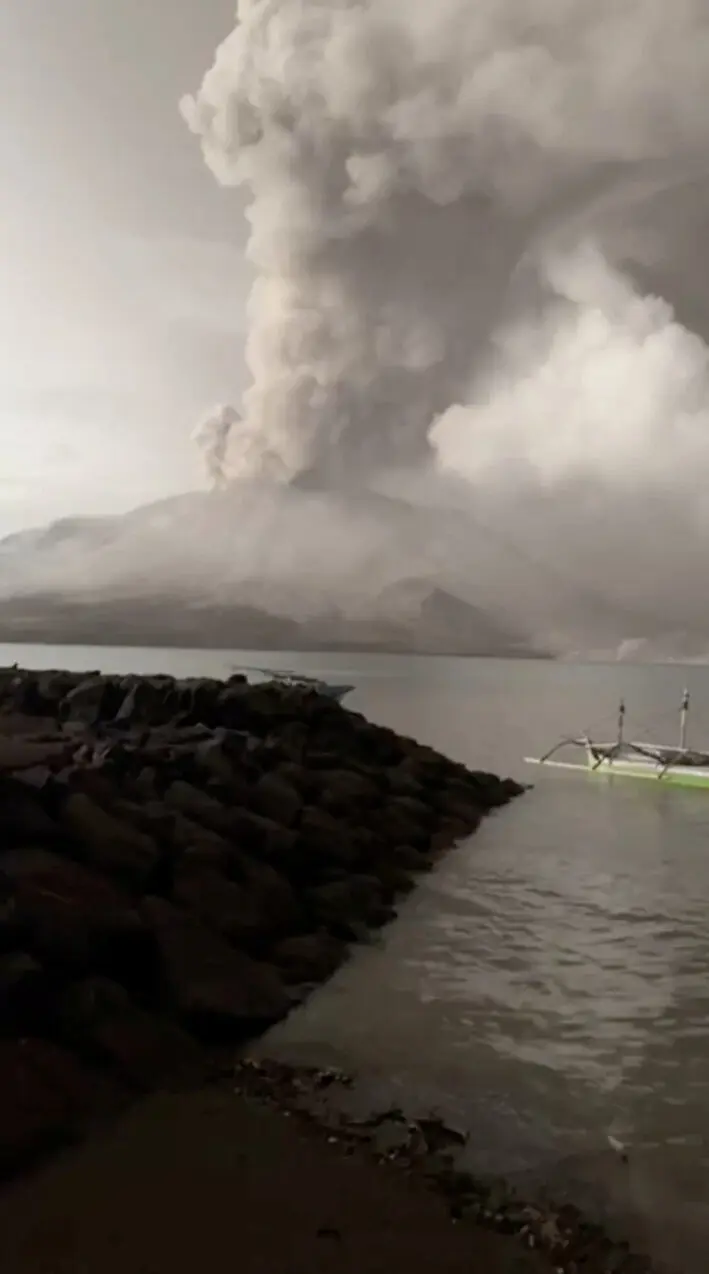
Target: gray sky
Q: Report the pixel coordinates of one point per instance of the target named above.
(122, 277)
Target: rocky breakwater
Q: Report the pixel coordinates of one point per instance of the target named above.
(180, 861)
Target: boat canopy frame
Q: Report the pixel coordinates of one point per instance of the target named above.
(664, 757)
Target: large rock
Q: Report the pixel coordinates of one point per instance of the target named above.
(218, 993)
(72, 919)
(262, 837)
(24, 993)
(98, 1019)
(198, 844)
(275, 798)
(398, 824)
(278, 902)
(308, 957)
(199, 806)
(47, 1097)
(323, 842)
(107, 843)
(344, 906)
(148, 700)
(94, 699)
(23, 818)
(223, 906)
(346, 791)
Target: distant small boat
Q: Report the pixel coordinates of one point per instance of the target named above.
(330, 689)
(678, 766)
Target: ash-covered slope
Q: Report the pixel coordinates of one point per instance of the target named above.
(253, 567)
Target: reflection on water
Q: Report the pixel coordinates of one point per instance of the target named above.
(549, 983)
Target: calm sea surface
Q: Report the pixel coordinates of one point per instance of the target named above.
(549, 983)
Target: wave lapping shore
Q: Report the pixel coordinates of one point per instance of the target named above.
(181, 862)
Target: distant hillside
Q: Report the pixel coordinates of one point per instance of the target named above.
(92, 581)
(170, 621)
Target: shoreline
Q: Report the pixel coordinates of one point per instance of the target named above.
(182, 862)
(265, 1169)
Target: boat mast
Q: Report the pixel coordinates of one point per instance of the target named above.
(684, 712)
(621, 723)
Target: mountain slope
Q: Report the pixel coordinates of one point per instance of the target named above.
(248, 568)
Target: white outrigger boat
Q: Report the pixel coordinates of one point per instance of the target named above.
(679, 766)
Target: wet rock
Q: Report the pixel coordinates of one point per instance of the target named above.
(198, 844)
(46, 1097)
(219, 994)
(97, 1018)
(223, 906)
(343, 904)
(395, 880)
(278, 902)
(108, 843)
(345, 790)
(396, 822)
(23, 818)
(308, 957)
(12, 928)
(324, 840)
(402, 782)
(199, 806)
(449, 832)
(94, 699)
(276, 799)
(149, 700)
(261, 836)
(24, 993)
(218, 757)
(72, 919)
(18, 725)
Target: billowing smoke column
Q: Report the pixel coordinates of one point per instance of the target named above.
(212, 437)
(399, 157)
(449, 222)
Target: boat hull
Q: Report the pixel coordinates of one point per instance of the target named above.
(622, 768)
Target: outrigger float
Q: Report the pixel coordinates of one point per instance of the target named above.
(679, 766)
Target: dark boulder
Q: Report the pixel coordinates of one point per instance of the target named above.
(94, 699)
(261, 836)
(23, 817)
(72, 919)
(323, 841)
(308, 957)
(146, 701)
(97, 1019)
(277, 900)
(346, 792)
(343, 906)
(275, 798)
(24, 993)
(218, 993)
(200, 806)
(222, 905)
(395, 822)
(107, 843)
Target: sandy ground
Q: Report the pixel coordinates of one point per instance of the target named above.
(210, 1181)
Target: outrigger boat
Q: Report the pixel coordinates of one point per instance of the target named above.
(679, 766)
(285, 677)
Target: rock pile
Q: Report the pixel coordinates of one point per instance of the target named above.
(179, 862)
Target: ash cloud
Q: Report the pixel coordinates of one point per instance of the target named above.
(453, 209)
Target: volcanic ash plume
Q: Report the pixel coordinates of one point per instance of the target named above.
(398, 156)
(212, 437)
(445, 204)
